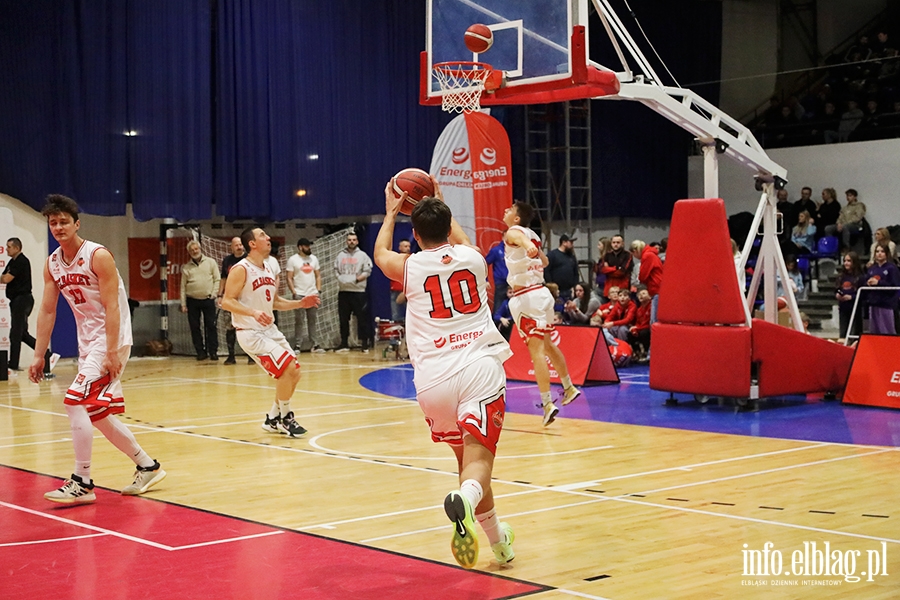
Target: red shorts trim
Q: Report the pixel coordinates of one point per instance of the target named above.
(277, 367)
(98, 399)
(488, 431)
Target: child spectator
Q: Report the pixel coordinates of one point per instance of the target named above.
(599, 316)
(848, 282)
(622, 316)
(639, 333)
(649, 273)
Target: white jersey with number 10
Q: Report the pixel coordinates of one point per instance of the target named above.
(448, 321)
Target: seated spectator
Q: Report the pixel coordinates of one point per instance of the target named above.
(803, 236)
(599, 316)
(558, 303)
(806, 203)
(621, 317)
(828, 211)
(639, 333)
(870, 127)
(795, 278)
(788, 216)
(850, 220)
(882, 236)
(848, 283)
(503, 316)
(883, 273)
(783, 128)
(850, 120)
(578, 311)
(826, 127)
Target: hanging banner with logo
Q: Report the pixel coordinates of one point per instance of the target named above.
(7, 230)
(472, 164)
(143, 269)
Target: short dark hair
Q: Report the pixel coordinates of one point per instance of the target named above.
(431, 219)
(58, 204)
(525, 212)
(851, 191)
(806, 187)
(15, 242)
(247, 236)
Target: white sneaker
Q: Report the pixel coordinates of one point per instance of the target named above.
(317, 350)
(570, 394)
(503, 550)
(550, 412)
(73, 491)
(54, 358)
(340, 350)
(144, 479)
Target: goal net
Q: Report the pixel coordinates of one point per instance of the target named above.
(325, 248)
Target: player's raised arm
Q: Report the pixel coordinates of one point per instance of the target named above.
(391, 263)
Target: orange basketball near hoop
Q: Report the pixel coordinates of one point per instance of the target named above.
(479, 38)
(416, 183)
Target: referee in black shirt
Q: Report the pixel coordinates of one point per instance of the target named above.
(17, 277)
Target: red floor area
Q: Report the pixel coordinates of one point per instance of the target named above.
(140, 548)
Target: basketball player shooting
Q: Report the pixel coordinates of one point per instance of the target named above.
(531, 305)
(457, 355)
(251, 296)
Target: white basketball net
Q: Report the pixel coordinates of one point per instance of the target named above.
(462, 84)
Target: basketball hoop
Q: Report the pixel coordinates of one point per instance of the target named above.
(462, 84)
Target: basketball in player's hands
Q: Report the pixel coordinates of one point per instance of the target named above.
(416, 183)
(479, 38)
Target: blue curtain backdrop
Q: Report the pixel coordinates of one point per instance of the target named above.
(243, 103)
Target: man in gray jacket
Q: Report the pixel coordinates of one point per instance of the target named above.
(353, 268)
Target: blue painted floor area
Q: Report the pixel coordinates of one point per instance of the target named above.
(634, 403)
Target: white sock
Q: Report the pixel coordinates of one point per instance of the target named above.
(491, 525)
(274, 413)
(121, 437)
(566, 382)
(284, 406)
(472, 492)
(546, 398)
(82, 440)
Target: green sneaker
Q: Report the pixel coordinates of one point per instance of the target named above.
(464, 544)
(503, 550)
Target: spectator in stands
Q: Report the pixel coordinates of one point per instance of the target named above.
(200, 281)
(398, 299)
(850, 220)
(861, 50)
(503, 316)
(788, 214)
(650, 272)
(237, 253)
(496, 259)
(882, 236)
(304, 278)
(848, 283)
(783, 128)
(563, 267)
(663, 245)
(805, 202)
(579, 309)
(621, 317)
(599, 275)
(617, 265)
(870, 128)
(828, 211)
(795, 277)
(639, 333)
(353, 268)
(881, 44)
(826, 128)
(883, 273)
(803, 236)
(850, 120)
(741, 274)
(599, 316)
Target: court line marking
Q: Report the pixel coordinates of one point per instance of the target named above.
(581, 594)
(131, 538)
(52, 540)
(314, 442)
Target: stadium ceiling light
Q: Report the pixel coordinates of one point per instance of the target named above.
(301, 193)
(312, 156)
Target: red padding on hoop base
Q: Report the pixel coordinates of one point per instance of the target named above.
(791, 362)
(699, 280)
(694, 359)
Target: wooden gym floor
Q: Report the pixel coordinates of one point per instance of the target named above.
(601, 509)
